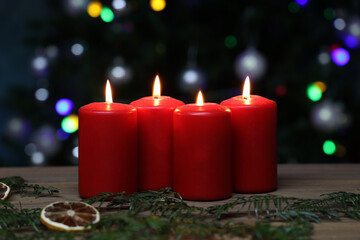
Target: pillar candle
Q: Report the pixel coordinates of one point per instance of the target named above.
(107, 148)
(254, 142)
(202, 151)
(155, 124)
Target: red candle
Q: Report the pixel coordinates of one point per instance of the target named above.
(107, 147)
(202, 151)
(254, 142)
(155, 124)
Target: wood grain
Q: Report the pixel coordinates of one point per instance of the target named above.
(303, 181)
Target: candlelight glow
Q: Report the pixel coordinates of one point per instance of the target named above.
(157, 87)
(108, 93)
(200, 99)
(246, 89)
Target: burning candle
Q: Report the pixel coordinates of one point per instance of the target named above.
(202, 151)
(155, 124)
(107, 147)
(254, 142)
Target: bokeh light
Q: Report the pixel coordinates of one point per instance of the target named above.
(320, 85)
(40, 63)
(64, 106)
(329, 13)
(157, 5)
(340, 151)
(324, 58)
(340, 56)
(230, 41)
(351, 41)
(280, 90)
(314, 93)
(94, 9)
(293, 7)
(37, 158)
(77, 49)
(119, 4)
(75, 152)
(339, 24)
(41, 94)
(62, 135)
(329, 147)
(70, 124)
(107, 15)
(301, 2)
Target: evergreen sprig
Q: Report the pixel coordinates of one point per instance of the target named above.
(18, 185)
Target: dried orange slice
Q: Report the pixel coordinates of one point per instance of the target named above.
(4, 191)
(69, 216)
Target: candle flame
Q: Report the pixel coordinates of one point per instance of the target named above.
(157, 88)
(108, 93)
(246, 89)
(200, 99)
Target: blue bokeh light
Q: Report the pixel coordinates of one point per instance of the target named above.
(340, 56)
(351, 41)
(64, 106)
(62, 135)
(301, 2)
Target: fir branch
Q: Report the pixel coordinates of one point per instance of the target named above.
(18, 185)
(13, 218)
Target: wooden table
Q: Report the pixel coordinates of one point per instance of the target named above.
(303, 181)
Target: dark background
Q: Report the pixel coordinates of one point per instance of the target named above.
(286, 47)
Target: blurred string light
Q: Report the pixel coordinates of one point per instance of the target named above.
(324, 58)
(280, 90)
(18, 127)
(351, 41)
(41, 94)
(107, 15)
(39, 63)
(75, 152)
(46, 141)
(29, 149)
(250, 63)
(339, 24)
(75, 6)
(314, 93)
(77, 49)
(64, 106)
(51, 51)
(329, 14)
(293, 7)
(329, 147)
(354, 27)
(191, 79)
(230, 41)
(301, 2)
(340, 56)
(328, 116)
(157, 5)
(94, 9)
(70, 124)
(119, 4)
(37, 158)
(320, 85)
(119, 73)
(340, 151)
(62, 135)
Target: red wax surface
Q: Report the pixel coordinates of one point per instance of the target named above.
(202, 152)
(254, 144)
(155, 124)
(107, 149)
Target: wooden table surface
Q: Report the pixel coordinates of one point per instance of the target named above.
(303, 181)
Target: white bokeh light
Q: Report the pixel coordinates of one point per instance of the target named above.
(339, 24)
(119, 4)
(37, 158)
(75, 152)
(40, 63)
(41, 94)
(77, 49)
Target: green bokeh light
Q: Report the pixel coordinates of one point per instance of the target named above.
(107, 15)
(70, 123)
(314, 93)
(293, 7)
(329, 13)
(230, 41)
(329, 147)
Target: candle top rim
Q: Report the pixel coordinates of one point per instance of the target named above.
(254, 100)
(205, 108)
(103, 107)
(156, 102)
